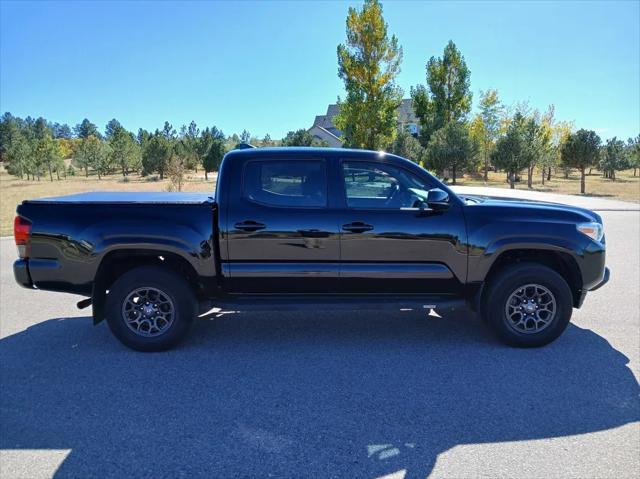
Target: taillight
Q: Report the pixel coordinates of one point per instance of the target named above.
(22, 235)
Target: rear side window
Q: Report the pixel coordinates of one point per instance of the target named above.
(295, 183)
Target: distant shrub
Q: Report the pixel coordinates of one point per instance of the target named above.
(71, 171)
(152, 178)
(176, 171)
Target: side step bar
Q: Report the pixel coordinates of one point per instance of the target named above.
(336, 303)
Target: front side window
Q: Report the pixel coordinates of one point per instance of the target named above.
(295, 183)
(378, 185)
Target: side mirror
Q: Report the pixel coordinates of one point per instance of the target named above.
(437, 199)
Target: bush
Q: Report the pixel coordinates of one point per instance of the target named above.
(175, 171)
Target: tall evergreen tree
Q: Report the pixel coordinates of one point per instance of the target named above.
(211, 149)
(62, 131)
(188, 145)
(510, 153)
(112, 127)
(15, 146)
(168, 132)
(125, 151)
(301, 137)
(581, 150)
(613, 158)
(450, 148)
(406, 146)
(85, 129)
(245, 137)
(633, 153)
(9, 130)
(142, 137)
(92, 153)
(266, 141)
(157, 153)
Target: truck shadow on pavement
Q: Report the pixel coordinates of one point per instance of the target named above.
(344, 395)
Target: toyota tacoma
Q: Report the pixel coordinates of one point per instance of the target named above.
(311, 228)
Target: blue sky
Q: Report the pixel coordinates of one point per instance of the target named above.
(270, 67)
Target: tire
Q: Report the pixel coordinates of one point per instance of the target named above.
(527, 305)
(150, 308)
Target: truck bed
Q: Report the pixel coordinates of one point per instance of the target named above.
(72, 235)
(134, 197)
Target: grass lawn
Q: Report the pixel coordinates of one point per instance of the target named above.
(14, 190)
(626, 187)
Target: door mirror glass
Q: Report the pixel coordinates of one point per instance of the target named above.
(437, 199)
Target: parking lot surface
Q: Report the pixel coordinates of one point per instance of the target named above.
(359, 395)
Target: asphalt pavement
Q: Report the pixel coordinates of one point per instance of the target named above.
(350, 395)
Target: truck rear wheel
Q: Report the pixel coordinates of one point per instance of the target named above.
(527, 305)
(150, 308)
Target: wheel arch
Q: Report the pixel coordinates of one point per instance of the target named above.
(561, 262)
(117, 262)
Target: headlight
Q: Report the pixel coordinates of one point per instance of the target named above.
(594, 230)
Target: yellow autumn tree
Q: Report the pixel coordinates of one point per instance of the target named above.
(368, 64)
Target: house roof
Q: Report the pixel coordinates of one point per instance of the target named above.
(405, 114)
(324, 130)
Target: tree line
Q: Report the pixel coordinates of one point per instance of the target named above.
(35, 148)
(451, 141)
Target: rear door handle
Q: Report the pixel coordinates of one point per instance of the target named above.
(357, 227)
(250, 225)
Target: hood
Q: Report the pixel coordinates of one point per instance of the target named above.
(532, 206)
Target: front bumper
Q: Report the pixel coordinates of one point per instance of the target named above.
(21, 273)
(605, 280)
(600, 284)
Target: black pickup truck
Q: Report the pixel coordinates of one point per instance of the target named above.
(300, 228)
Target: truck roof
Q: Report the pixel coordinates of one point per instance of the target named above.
(290, 152)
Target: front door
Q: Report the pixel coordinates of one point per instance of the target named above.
(282, 237)
(391, 245)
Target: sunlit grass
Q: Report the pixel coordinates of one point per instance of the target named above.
(626, 187)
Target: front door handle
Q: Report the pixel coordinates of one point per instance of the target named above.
(357, 227)
(313, 233)
(250, 225)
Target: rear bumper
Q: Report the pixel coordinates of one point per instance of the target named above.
(605, 280)
(21, 273)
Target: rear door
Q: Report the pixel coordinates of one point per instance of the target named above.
(282, 235)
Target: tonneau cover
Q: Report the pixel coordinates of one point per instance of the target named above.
(142, 197)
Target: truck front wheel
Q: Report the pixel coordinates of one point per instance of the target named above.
(527, 305)
(150, 308)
